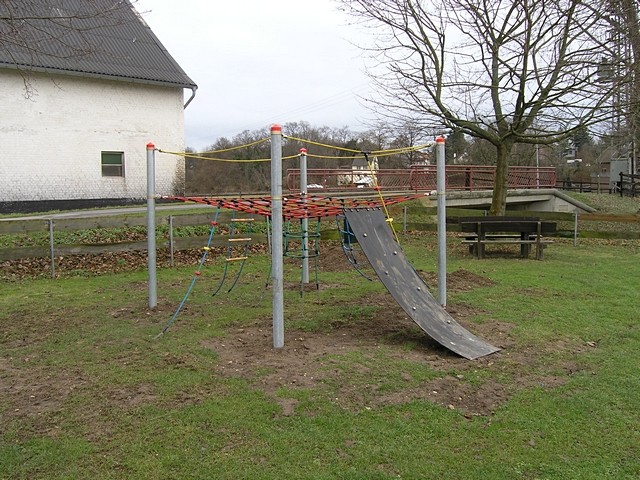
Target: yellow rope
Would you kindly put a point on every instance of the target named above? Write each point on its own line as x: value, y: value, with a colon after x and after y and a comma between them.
x: 393, y: 151
x: 199, y: 157
x: 318, y: 144
x: 329, y: 157
x: 376, y: 186
x: 358, y: 153
x: 377, y: 153
x: 257, y: 142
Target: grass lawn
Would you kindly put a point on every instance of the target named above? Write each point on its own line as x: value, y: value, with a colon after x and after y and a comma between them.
x: 358, y: 392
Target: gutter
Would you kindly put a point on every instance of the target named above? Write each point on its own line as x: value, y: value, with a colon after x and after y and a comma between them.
x: 102, y: 76
x: 193, y: 95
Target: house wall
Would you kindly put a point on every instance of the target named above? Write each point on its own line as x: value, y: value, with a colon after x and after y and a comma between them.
x: 51, y: 143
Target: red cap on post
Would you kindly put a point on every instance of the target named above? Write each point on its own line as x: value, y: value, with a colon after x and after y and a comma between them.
x: 150, y: 146
x: 303, y: 150
x: 275, y: 128
x: 440, y: 139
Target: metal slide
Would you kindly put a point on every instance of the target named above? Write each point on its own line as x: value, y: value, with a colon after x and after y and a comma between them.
x: 408, y: 288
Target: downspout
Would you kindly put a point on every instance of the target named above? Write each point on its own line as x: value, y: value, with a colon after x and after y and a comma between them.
x: 193, y: 95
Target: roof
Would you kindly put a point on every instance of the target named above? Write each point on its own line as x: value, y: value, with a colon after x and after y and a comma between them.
x: 96, y: 38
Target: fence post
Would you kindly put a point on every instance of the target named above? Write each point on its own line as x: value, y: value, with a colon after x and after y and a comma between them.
x: 277, y: 250
x: 151, y: 226
x: 51, y: 249
x: 442, y: 221
x: 575, y: 228
x: 171, y: 240
x: 404, y: 220
x: 621, y: 185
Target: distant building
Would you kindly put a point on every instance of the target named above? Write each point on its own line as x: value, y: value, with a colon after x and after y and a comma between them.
x: 80, y: 101
x: 607, y: 175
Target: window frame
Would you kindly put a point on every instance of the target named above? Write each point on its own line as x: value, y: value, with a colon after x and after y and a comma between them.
x: 110, y: 168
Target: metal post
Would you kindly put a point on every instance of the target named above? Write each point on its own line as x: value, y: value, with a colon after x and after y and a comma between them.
x: 171, y: 240
x: 442, y: 221
x: 305, y: 221
x: 277, y: 251
x: 151, y: 225
x: 51, y: 252
x: 575, y: 228
x: 404, y: 220
x: 537, y: 165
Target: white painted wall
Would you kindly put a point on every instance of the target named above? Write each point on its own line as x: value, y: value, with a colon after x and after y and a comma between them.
x: 50, y: 144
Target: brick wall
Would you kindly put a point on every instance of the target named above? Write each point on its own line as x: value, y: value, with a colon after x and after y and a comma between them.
x: 50, y: 144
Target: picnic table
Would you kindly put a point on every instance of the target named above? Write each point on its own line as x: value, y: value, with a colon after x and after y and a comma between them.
x: 522, y: 231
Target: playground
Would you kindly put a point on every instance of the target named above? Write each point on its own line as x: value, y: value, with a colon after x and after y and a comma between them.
x: 359, y: 390
x: 529, y: 372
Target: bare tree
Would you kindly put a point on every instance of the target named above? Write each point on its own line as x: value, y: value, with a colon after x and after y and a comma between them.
x: 624, y: 19
x: 506, y: 72
x: 35, y: 33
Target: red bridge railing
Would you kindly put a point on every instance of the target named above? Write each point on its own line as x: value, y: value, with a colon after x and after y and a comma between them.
x: 458, y: 177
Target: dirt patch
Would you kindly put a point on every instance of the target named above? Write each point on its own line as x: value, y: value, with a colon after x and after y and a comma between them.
x: 458, y: 281
x: 333, y: 257
x: 315, y: 361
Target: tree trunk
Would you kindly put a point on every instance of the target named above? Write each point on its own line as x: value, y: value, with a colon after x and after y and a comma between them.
x: 499, y: 199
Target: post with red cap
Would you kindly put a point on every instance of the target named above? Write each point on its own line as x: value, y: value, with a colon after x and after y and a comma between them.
x: 277, y: 247
x: 305, y: 221
x: 442, y: 220
x: 151, y: 225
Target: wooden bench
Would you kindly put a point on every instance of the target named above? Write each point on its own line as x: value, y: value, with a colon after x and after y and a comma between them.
x: 523, y: 231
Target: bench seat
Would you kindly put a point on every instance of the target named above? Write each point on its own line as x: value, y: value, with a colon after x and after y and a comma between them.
x: 540, y: 243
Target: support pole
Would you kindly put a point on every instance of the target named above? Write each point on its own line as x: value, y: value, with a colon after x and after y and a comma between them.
x: 277, y: 250
x: 171, y: 246
x: 151, y: 225
x: 442, y: 221
x: 51, y: 249
x: 404, y: 220
x: 305, y: 221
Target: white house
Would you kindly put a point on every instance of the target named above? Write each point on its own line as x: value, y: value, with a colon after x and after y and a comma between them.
x: 361, y: 173
x: 84, y: 86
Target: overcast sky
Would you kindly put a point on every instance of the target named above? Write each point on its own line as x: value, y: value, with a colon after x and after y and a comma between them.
x: 257, y: 63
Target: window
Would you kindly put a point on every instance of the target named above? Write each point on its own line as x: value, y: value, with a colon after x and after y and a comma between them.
x: 112, y: 164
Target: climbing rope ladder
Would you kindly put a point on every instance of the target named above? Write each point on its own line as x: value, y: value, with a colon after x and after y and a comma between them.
x: 237, y: 249
x: 206, y: 249
x: 235, y: 244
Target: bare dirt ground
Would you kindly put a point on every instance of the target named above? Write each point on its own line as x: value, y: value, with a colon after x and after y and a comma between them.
x: 310, y: 360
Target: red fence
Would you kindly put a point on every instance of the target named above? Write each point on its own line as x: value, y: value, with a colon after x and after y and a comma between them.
x: 458, y: 177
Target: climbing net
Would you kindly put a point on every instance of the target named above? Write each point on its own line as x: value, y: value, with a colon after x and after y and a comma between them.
x: 297, y: 206
x: 302, y: 205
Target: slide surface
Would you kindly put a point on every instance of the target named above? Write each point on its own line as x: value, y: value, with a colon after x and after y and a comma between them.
x: 408, y: 288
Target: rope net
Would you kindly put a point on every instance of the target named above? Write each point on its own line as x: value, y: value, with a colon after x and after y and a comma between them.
x: 297, y: 206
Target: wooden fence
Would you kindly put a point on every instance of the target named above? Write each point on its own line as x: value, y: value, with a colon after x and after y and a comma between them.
x: 413, y: 218
x: 54, y: 225
x: 629, y: 184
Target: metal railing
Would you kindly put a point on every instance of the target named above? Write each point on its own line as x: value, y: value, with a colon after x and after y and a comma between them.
x: 458, y: 177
